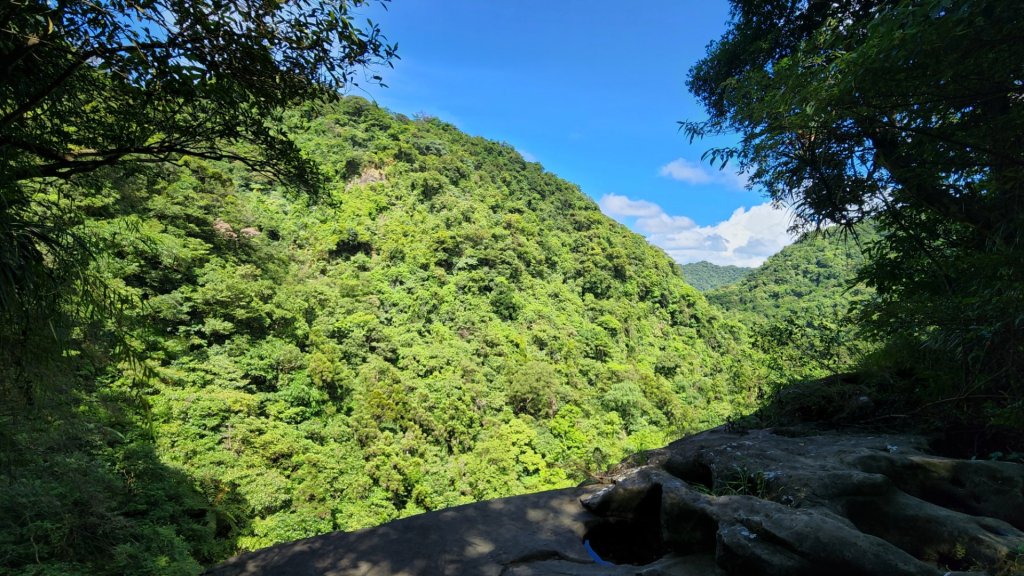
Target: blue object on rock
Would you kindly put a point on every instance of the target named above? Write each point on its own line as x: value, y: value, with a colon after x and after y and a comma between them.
x: 590, y: 550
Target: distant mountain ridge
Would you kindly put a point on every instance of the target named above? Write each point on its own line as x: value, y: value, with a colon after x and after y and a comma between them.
x: 798, y: 305
x: 808, y: 277
x: 706, y: 276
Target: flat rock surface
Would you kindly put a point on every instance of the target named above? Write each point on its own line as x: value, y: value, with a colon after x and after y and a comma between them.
x: 505, y: 536
x: 753, y: 503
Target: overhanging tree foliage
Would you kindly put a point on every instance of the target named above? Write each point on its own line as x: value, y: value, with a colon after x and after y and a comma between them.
x: 87, y: 85
x: 908, y: 112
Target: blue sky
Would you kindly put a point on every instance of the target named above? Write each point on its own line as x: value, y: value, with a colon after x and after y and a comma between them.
x: 592, y: 90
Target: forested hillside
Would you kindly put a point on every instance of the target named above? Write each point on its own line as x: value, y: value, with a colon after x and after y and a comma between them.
x: 444, y: 323
x: 706, y: 276
x: 238, y: 309
x: 800, y: 304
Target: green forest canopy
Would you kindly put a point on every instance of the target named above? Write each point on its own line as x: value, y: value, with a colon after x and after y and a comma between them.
x: 705, y: 276
x: 799, y: 306
x: 448, y: 323
x: 93, y: 84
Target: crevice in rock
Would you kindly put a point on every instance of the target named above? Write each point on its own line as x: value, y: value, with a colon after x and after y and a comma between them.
x: 867, y: 517
x: 692, y: 531
x: 635, y: 539
x: 973, y: 487
x: 693, y: 472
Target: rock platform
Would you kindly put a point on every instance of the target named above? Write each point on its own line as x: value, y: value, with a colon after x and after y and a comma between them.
x: 754, y: 503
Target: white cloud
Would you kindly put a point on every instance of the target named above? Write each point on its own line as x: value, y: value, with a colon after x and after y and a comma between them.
x: 689, y: 172
x: 662, y: 223
x: 615, y: 205
x: 685, y: 171
x: 747, y: 238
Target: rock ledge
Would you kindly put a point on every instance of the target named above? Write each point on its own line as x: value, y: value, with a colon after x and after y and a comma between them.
x: 754, y: 503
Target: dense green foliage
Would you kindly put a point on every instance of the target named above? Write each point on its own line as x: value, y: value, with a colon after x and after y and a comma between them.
x: 910, y: 113
x: 449, y: 323
x: 800, y: 305
x: 90, y: 84
x: 706, y: 276
x: 85, y: 85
